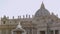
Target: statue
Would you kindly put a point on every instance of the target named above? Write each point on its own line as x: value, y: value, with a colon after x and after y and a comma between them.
x: 19, y: 30
x: 19, y: 26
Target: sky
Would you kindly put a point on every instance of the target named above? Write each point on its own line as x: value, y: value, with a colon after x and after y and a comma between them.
x: 22, y: 7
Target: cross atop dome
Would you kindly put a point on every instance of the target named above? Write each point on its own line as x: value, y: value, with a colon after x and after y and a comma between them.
x: 42, y: 5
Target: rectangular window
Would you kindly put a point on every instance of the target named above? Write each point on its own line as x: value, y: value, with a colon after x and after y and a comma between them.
x: 42, y: 32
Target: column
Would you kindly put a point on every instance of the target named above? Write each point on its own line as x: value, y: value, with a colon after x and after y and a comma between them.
x: 38, y: 32
x: 11, y: 31
x: 45, y: 32
x: 28, y: 31
x: 6, y: 31
x: 32, y: 31
x: 59, y: 31
x: 53, y: 31
x: 0, y: 31
x: 35, y: 31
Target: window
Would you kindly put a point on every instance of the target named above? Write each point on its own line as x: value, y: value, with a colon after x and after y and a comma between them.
x: 10, y: 21
x: 4, y: 22
x: 52, y: 20
x: 15, y: 21
x: 42, y: 32
x: 37, y: 20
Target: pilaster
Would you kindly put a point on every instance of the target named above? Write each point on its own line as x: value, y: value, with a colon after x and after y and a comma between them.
x: 53, y: 31
x: 59, y: 31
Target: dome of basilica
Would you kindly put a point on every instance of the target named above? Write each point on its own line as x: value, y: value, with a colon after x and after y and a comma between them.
x: 42, y: 11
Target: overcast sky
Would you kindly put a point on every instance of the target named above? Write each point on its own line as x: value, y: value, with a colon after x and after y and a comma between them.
x: 22, y: 7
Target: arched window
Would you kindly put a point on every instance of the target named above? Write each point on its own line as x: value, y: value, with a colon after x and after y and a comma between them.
x: 4, y: 22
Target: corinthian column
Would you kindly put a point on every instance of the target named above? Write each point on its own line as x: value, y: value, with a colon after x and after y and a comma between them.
x: 53, y: 31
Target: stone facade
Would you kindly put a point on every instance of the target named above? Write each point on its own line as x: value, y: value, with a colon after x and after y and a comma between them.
x: 41, y: 23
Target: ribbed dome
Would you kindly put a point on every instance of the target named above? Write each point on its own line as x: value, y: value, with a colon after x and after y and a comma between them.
x: 42, y: 11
